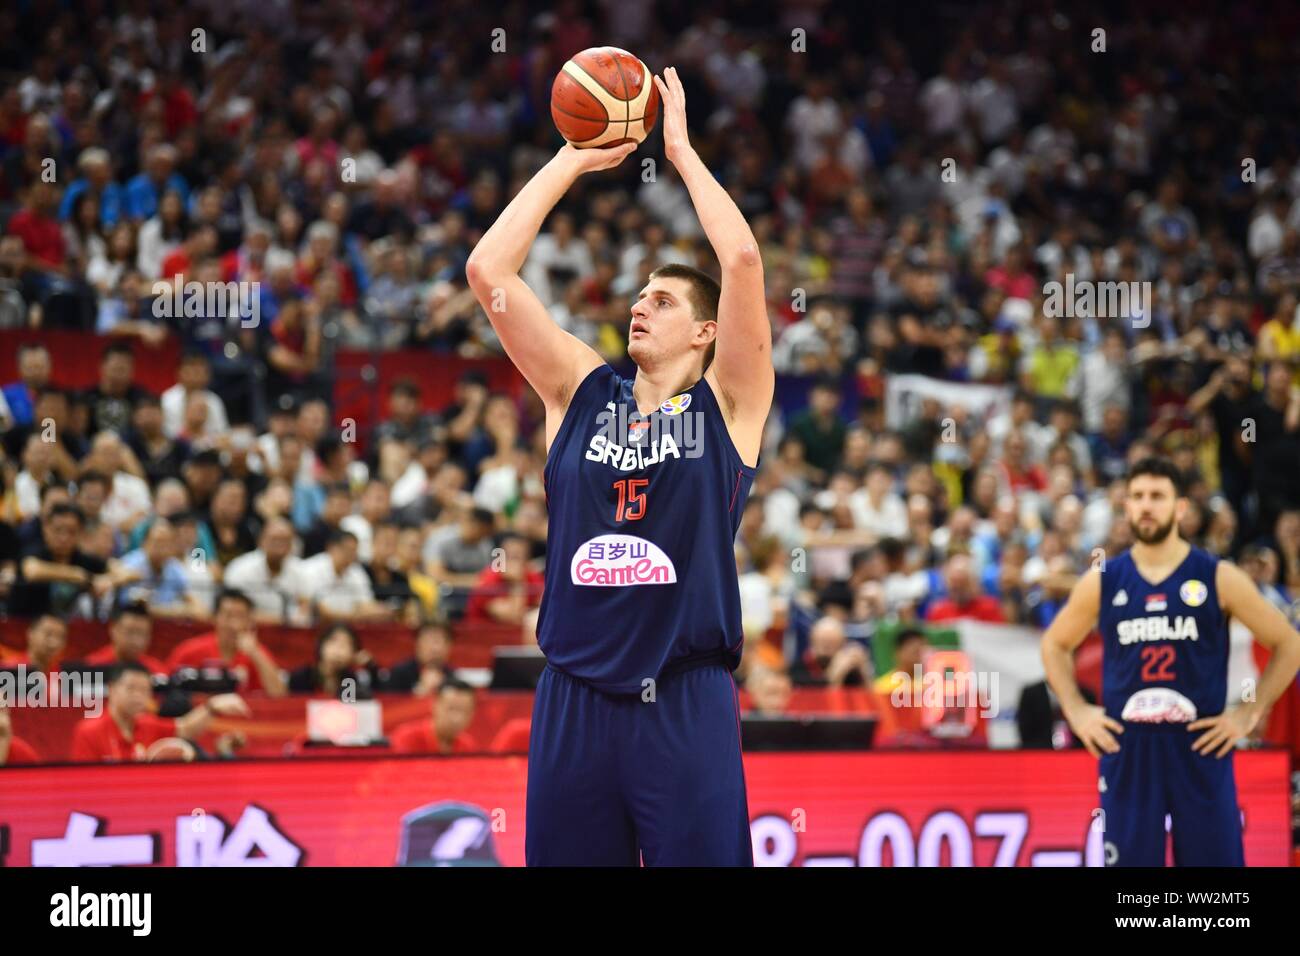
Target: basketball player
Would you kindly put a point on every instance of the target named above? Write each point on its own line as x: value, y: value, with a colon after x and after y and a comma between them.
x: 1163, y: 734
x: 634, y: 753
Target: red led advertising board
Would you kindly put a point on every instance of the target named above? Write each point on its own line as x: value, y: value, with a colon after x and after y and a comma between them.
x: 873, y: 809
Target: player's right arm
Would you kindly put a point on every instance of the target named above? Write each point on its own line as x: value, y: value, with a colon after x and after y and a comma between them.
x: 553, y: 361
x: 1072, y: 624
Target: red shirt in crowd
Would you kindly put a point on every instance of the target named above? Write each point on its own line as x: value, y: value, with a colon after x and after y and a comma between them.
x: 1019, y: 285
x: 238, y: 266
x: 176, y: 263
x: 493, y: 584
x: 41, y: 236
x: 26, y: 661
x: 107, y: 656
x: 417, y: 737
x: 21, y: 752
x: 202, y: 651
x: 99, y: 739
x: 1033, y: 478
x: 981, y: 608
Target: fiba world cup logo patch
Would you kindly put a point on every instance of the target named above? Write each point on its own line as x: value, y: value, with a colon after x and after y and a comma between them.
x: 629, y: 440
x: 1193, y: 593
x: 676, y: 405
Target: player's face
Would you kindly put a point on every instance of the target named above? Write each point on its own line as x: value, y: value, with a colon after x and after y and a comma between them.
x: 1153, y: 508
x: 663, y: 323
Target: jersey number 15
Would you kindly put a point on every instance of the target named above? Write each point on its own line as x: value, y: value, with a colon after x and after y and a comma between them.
x: 631, y: 499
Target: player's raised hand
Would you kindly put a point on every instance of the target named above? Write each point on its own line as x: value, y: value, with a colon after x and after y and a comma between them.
x: 1223, y: 732
x: 596, y: 158
x: 673, y: 103
x: 1097, y: 731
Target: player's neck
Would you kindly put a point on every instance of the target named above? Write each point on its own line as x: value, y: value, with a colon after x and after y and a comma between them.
x: 1168, y: 553
x: 653, y: 386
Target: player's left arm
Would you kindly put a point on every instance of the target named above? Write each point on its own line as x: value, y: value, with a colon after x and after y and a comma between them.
x: 1239, y: 597
x: 742, y: 359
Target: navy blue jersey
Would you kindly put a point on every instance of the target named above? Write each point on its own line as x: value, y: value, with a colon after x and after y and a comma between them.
x: 640, y: 569
x: 1165, y: 645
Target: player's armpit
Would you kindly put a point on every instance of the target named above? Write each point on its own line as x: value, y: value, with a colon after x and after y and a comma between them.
x: 551, y: 359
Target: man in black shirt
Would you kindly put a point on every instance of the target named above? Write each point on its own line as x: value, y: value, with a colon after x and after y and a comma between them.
x: 1231, y: 401
x: 1259, y: 439
x: 160, y: 456
x: 405, y: 422
x: 1277, y: 445
x: 390, y: 585
x: 29, y: 531
x: 422, y: 674
x: 113, y: 399
x: 338, y: 505
x: 53, y: 576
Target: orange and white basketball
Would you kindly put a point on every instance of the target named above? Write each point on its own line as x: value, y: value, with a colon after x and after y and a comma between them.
x: 604, y: 97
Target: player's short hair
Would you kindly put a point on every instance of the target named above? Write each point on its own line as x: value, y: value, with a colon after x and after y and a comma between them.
x: 704, y: 295
x: 1159, y: 468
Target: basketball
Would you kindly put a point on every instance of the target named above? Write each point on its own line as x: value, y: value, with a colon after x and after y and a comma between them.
x: 169, y: 749
x: 604, y: 97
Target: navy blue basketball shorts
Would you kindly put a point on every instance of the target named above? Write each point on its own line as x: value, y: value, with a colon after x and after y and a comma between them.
x: 615, y: 781
x: 1154, y: 774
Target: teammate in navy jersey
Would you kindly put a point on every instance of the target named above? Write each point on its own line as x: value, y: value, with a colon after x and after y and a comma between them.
x: 634, y: 754
x: 1162, y: 731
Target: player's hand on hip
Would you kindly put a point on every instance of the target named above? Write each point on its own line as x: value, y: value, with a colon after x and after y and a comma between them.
x: 1223, y: 732
x: 673, y: 103
x: 1097, y: 731
x: 596, y: 158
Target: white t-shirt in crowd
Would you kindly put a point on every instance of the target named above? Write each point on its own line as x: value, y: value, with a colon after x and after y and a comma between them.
x: 316, y: 580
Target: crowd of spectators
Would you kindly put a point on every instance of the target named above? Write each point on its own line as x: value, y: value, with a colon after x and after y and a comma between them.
x: 916, y: 184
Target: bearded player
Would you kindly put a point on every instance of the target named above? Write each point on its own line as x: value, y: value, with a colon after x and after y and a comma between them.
x: 634, y: 753
x: 1163, y: 732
